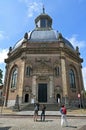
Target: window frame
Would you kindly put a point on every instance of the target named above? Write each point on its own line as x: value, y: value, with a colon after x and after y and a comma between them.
x: 57, y: 71
x: 14, y: 78
x: 72, y: 79
x: 28, y: 71
x: 43, y: 23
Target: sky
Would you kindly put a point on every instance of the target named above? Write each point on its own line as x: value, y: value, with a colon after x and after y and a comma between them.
x: 17, y: 17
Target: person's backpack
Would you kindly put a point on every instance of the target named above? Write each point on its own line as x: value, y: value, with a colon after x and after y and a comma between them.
x: 64, y: 111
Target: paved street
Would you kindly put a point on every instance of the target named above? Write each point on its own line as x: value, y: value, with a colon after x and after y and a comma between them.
x: 51, y: 123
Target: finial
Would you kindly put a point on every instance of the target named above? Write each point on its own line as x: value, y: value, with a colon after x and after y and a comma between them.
x: 10, y: 49
x: 60, y: 37
x: 43, y: 10
x: 26, y: 35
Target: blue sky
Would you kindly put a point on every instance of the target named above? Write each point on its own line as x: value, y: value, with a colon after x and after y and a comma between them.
x: 17, y: 17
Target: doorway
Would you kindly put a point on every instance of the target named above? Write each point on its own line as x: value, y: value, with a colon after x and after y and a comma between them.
x: 26, y: 97
x: 58, y: 98
x: 42, y: 92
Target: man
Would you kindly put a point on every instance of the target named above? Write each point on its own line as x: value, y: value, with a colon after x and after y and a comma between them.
x: 43, y: 113
x: 63, y: 111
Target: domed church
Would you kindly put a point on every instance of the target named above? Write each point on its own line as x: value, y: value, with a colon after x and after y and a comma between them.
x: 43, y: 67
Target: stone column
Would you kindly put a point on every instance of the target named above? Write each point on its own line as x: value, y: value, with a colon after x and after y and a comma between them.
x: 34, y: 88
x: 21, y: 80
x: 64, y: 80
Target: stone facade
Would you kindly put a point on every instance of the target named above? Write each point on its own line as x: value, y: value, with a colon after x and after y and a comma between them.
x: 43, y: 68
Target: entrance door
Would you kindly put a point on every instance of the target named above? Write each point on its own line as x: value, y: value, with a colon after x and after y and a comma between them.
x: 58, y: 98
x: 26, y: 97
x: 42, y: 92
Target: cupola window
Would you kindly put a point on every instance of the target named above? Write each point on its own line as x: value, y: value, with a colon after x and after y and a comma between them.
x: 43, y: 23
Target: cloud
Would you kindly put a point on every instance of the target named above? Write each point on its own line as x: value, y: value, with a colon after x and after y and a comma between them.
x: 3, y: 35
x: 3, y: 55
x: 75, y: 42
x: 32, y: 7
x: 84, y: 76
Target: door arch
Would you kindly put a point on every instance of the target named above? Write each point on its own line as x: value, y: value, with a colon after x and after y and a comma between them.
x: 26, y: 97
x: 58, y: 98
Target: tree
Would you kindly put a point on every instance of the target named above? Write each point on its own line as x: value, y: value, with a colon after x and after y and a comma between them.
x: 85, y: 92
x: 1, y: 76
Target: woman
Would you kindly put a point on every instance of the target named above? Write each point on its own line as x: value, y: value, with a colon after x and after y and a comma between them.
x: 35, y: 112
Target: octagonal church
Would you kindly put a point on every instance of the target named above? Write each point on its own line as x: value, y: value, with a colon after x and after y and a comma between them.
x: 43, y: 67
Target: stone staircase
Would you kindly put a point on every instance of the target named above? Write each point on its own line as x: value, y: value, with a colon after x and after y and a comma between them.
x: 30, y: 107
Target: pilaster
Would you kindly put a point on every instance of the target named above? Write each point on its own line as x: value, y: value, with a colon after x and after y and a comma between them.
x: 64, y: 80
x: 34, y: 88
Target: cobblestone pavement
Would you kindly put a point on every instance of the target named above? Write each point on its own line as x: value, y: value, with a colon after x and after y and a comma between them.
x: 51, y: 123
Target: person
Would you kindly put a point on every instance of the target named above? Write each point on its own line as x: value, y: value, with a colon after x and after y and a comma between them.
x: 43, y: 113
x: 35, y: 112
x: 38, y: 105
x: 63, y: 112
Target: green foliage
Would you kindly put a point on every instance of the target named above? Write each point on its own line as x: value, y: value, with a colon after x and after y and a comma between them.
x: 1, y: 76
x: 85, y: 92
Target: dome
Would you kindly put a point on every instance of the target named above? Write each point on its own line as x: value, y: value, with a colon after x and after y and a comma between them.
x: 43, y: 36
x: 40, y: 35
x: 47, y: 36
x: 43, y: 32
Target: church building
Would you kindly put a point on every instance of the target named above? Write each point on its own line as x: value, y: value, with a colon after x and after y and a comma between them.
x: 43, y: 67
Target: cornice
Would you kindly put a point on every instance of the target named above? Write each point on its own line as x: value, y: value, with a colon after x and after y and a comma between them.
x: 44, y: 50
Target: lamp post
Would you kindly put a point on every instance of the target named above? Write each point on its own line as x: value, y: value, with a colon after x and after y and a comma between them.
x: 79, y: 97
x: 82, y: 93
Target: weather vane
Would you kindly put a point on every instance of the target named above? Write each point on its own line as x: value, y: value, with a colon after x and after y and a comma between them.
x: 43, y: 10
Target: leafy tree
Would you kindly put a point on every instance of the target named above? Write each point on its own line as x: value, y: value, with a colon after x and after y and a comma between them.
x: 85, y: 92
x: 1, y: 76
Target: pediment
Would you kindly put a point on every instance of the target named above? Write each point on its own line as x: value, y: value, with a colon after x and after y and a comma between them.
x: 43, y: 67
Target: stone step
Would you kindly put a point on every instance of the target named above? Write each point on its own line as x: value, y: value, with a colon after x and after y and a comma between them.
x: 49, y: 107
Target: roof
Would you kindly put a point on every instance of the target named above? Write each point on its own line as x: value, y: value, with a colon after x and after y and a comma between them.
x: 43, y: 32
x: 43, y: 36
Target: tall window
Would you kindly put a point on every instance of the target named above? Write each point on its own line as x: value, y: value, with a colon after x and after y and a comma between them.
x: 57, y: 71
x: 28, y: 71
x: 72, y: 79
x: 14, y: 78
x: 43, y: 22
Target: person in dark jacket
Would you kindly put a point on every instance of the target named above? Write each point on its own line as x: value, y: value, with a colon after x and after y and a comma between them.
x: 43, y: 113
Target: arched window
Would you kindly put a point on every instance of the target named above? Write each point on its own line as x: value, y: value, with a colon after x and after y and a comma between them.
x: 72, y: 78
x: 14, y: 78
x: 28, y: 71
x: 43, y: 23
x: 57, y: 71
